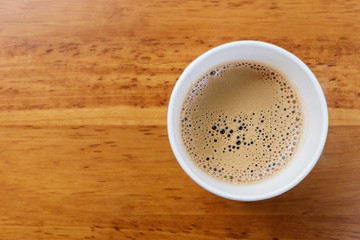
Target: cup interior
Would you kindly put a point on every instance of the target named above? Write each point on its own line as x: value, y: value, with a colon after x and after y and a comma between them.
x: 315, y: 111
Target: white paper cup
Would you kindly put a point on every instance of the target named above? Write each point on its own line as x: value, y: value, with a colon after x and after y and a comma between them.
x: 315, y: 110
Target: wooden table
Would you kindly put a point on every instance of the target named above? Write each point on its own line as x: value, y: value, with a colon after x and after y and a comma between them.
x: 84, y: 89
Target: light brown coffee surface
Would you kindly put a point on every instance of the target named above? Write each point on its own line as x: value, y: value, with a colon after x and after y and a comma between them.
x: 241, y: 122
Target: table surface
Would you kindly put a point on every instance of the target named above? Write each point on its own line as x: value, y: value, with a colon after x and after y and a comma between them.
x: 84, y: 89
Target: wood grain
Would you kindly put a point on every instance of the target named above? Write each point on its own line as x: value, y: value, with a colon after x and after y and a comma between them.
x: 84, y: 88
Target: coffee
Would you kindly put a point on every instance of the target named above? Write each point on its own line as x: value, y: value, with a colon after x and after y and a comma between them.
x: 242, y: 122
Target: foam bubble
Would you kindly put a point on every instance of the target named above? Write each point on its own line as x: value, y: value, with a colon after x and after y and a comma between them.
x: 235, y: 133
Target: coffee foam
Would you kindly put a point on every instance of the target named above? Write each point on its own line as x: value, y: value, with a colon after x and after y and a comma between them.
x: 241, y: 122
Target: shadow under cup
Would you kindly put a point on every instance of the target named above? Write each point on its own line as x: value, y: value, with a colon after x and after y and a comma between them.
x: 315, y: 118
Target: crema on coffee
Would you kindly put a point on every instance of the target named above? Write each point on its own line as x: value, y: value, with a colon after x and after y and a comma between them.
x: 242, y: 122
